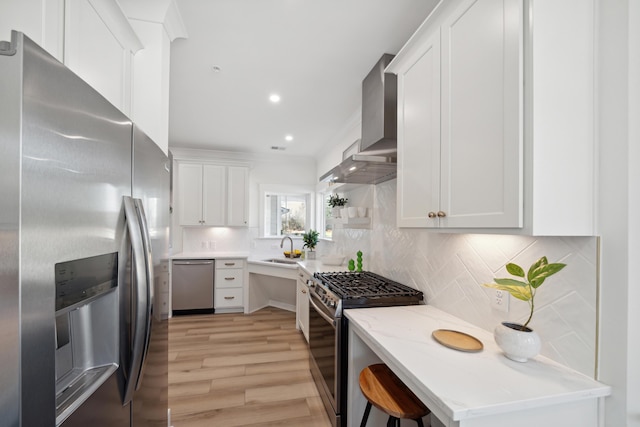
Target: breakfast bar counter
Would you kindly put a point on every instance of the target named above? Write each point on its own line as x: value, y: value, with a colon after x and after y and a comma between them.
x: 466, y: 388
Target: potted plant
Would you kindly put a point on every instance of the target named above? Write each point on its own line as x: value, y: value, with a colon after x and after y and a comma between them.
x: 336, y: 202
x: 519, y: 342
x: 310, y: 240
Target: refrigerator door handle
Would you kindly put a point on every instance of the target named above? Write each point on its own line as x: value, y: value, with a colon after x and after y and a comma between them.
x: 146, y: 239
x: 140, y: 296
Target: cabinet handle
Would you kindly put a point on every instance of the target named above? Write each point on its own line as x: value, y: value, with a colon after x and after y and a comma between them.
x: 229, y: 297
x: 304, y: 292
x: 441, y: 214
x: 431, y: 214
x: 229, y: 263
x: 229, y: 278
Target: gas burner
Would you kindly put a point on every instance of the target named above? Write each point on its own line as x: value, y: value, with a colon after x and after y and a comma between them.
x: 363, y: 288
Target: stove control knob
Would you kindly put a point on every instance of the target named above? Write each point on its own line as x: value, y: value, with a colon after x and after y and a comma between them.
x: 332, y: 304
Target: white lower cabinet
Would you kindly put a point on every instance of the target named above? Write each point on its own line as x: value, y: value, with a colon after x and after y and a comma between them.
x: 302, y: 303
x: 228, y: 295
x: 162, y: 289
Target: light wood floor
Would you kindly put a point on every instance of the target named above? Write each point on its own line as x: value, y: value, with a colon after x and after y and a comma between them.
x: 241, y: 370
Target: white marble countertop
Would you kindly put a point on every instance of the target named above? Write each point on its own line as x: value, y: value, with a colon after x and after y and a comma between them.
x: 210, y: 255
x: 464, y: 385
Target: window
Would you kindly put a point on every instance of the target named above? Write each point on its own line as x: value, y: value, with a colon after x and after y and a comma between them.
x: 285, y: 210
x: 327, y: 224
x: 285, y: 214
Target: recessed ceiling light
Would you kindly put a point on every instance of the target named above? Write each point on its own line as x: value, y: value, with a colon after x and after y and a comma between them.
x: 288, y: 138
x: 274, y: 97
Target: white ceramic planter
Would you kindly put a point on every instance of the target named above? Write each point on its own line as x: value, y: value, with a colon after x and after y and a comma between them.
x: 517, y: 345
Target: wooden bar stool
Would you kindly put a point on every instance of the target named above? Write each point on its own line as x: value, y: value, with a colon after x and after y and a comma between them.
x: 386, y: 392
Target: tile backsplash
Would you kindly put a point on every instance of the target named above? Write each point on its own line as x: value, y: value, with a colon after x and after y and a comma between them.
x: 450, y: 269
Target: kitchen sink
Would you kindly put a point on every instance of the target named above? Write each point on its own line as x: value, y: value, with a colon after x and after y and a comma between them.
x: 281, y: 261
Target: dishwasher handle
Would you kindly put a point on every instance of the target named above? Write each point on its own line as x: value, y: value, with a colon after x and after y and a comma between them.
x: 209, y: 262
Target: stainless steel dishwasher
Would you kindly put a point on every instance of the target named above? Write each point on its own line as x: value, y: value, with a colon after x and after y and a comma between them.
x: 192, y: 286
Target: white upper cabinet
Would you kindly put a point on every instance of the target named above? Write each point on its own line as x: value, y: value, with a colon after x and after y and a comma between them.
x: 460, y: 118
x: 478, y: 149
x: 419, y: 136
x: 212, y: 195
x: 99, y: 47
x: 560, y: 144
x: 122, y: 53
x: 237, y: 200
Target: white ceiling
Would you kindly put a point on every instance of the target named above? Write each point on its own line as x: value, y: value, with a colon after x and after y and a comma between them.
x: 313, y: 53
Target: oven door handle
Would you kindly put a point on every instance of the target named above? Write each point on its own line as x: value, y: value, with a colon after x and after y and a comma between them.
x: 321, y: 313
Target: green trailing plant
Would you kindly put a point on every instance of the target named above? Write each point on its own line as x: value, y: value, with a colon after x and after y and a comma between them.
x: 310, y: 239
x: 336, y: 201
x: 526, y: 288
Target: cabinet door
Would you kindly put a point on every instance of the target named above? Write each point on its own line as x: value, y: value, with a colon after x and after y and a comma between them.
x: 190, y: 193
x: 419, y: 137
x: 237, y: 197
x: 213, y: 195
x: 302, y: 307
x: 481, y: 159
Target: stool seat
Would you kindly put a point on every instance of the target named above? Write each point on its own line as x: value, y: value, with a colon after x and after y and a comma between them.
x: 387, y: 392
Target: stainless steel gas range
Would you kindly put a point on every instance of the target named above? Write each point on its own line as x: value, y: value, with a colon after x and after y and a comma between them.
x: 330, y: 294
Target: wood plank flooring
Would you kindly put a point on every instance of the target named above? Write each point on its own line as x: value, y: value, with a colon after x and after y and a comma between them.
x: 241, y: 370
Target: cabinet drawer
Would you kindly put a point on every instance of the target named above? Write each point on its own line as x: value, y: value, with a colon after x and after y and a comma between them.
x: 231, y: 297
x: 229, y: 278
x: 222, y: 264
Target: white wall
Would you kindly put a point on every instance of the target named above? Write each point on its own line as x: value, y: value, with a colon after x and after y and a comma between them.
x: 619, y: 201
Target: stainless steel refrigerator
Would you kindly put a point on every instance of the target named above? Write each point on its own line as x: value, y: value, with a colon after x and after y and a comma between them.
x: 84, y: 226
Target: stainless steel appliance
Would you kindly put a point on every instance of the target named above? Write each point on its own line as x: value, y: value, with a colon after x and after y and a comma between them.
x: 376, y: 160
x: 330, y: 294
x: 192, y: 286
x: 83, y: 223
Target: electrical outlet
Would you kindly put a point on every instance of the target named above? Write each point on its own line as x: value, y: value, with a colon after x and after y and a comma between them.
x: 500, y: 301
x: 203, y: 245
x: 212, y: 245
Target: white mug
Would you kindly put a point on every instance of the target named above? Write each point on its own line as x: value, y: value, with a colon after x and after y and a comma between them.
x: 362, y: 212
x: 353, y: 211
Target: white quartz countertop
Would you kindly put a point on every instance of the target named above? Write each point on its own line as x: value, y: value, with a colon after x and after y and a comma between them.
x: 310, y: 266
x: 210, y: 255
x: 464, y: 385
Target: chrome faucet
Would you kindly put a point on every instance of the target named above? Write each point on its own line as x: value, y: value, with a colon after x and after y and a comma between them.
x: 282, y: 243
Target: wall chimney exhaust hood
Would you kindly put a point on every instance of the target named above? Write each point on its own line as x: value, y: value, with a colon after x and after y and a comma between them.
x: 377, y: 157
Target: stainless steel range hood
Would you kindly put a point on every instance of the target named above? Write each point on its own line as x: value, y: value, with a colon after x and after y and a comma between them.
x: 376, y: 160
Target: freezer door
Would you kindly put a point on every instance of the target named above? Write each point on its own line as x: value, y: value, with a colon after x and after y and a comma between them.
x: 66, y: 152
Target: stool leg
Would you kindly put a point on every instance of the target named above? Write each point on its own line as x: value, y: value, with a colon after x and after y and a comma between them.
x: 365, y: 416
x: 393, y: 422
x: 419, y: 421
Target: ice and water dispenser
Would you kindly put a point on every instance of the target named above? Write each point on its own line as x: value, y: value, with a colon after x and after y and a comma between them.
x: 87, y: 328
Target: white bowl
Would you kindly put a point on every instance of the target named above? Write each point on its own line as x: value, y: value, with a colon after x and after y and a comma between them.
x: 332, y: 259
